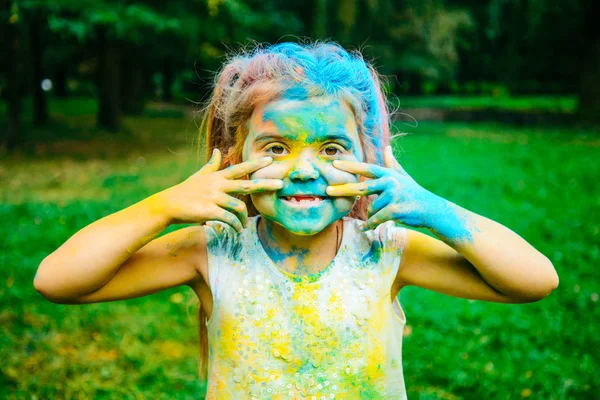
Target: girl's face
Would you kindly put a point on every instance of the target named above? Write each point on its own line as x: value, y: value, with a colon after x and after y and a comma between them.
x: 303, y: 137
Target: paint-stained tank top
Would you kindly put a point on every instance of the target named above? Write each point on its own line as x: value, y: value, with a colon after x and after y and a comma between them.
x: 332, y: 335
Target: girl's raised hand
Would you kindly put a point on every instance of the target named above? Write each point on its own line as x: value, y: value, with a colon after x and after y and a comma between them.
x: 399, y: 198
x: 206, y: 195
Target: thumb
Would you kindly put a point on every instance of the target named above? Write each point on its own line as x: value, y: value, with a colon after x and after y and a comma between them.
x: 213, y: 164
x: 390, y: 161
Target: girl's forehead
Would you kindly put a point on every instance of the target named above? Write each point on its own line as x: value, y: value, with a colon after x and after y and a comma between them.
x: 306, y: 119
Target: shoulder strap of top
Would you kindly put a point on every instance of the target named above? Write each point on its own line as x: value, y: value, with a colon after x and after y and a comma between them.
x: 393, y: 238
x: 222, y: 245
x: 381, y: 248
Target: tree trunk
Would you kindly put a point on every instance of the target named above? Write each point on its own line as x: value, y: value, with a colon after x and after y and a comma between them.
x: 589, y: 92
x: 13, y: 98
x: 414, y: 81
x: 132, y: 84
x: 511, y: 58
x: 167, y: 81
x: 60, y: 82
x: 109, y: 112
x: 36, y: 47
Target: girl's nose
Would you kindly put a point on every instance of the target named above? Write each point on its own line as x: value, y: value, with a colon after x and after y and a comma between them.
x: 303, y: 170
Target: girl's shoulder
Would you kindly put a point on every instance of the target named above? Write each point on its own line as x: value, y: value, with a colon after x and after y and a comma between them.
x: 387, y: 234
x: 377, y: 250
x: 222, y: 238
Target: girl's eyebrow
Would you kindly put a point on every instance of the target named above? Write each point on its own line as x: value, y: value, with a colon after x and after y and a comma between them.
x: 268, y: 136
x: 338, y: 137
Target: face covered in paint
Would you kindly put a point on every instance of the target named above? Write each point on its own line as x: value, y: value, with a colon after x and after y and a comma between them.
x: 304, y: 137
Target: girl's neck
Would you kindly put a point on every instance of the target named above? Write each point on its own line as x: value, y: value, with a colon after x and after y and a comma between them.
x: 298, y: 254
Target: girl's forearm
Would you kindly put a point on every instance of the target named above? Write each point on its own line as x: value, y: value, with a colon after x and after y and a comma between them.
x: 87, y: 260
x: 504, y: 260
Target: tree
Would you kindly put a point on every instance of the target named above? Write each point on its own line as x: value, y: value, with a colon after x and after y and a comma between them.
x: 413, y: 40
x: 11, y: 40
x: 108, y: 81
x: 35, y: 17
x: 589, y: 94
x: 118, y: 31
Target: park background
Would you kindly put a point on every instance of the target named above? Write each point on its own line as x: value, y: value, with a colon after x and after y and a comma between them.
x: 100, y: 109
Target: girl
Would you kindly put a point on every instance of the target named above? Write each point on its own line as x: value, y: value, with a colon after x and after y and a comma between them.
x: 296, y: 256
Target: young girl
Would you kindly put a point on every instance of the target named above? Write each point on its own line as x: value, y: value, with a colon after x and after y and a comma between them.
x: 296, y: 257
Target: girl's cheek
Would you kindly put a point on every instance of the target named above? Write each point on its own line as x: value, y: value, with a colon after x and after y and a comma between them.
x: 272, y: 171
x: 335, y: 176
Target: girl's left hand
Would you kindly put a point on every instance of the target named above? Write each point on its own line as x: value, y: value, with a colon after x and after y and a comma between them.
x: 400, y: 198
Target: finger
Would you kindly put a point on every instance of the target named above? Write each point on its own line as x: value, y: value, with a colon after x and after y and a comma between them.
x: 390, y: 161
x: 235, y: 206
x: 365, y: 169
x: 377, y: 204
x: 253, y: 186
x: 230, y: 219
x: 247, y: 167
x: 379, y: 218
x: 213, y: 164
x: 356, y: 189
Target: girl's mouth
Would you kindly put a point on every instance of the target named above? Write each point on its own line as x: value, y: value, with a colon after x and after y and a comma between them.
x: 304, y: 200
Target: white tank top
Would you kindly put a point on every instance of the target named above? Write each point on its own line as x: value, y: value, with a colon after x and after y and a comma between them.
x: 332, y: 335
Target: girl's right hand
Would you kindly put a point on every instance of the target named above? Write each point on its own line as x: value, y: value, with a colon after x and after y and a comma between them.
x: 206, y: 195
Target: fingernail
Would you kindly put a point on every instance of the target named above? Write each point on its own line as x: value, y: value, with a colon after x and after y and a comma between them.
x: 267, y: 158
x: 337, y: 162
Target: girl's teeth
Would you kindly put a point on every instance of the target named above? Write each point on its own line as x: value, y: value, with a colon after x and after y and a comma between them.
x: 302, y: 199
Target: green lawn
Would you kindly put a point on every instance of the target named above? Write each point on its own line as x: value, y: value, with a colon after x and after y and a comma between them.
x: 553, y: 104
x: 541, y: 183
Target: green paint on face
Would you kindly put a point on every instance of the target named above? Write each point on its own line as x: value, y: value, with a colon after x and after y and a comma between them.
x: 303, y: 137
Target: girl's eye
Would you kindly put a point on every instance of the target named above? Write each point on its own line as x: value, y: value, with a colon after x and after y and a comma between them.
x: 276, y: 150
x: 332, y: 151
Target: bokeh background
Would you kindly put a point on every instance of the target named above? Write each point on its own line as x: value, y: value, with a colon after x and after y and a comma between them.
x: 501, y: 103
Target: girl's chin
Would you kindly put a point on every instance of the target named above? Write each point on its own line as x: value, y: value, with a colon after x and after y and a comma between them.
x: 304, y: 218
x: 302, y: 229
x: 301, y: 225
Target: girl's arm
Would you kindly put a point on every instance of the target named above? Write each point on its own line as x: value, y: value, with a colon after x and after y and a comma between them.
x: 116, y: 257
x: 476, y: 257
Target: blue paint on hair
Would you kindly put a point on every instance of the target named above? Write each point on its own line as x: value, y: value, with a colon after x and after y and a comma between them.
x: 296, y: 92
x: 325, y: 68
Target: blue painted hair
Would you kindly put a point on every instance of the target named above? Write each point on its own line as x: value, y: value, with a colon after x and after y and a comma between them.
x: 296, y: 70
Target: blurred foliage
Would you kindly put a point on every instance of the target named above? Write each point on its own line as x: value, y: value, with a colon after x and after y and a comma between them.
x: 453, y: 348
x: 417, y: 43
x: 127, y: 52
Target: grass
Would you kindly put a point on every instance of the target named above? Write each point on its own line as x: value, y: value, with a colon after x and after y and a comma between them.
x: 553, y: 104
x: 541, y: 183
